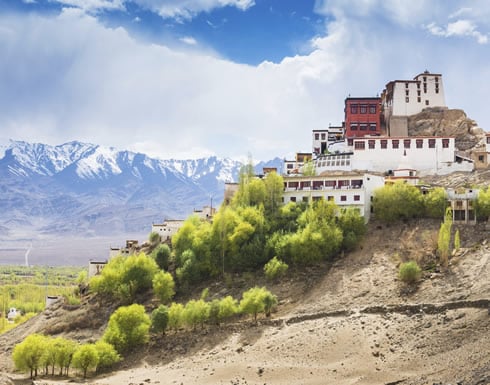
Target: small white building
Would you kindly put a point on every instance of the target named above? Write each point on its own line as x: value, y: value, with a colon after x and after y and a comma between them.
x: 402, y: 98
x: 427, y: 155
x: 324, y: 138
x: 167, y: 229
x: 345, y: 189
x: 95, y: 267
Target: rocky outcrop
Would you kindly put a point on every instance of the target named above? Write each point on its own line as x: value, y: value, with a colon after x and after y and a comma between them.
x: 439, y: 121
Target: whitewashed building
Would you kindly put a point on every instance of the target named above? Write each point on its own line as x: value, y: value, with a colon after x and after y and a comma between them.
x: 427, y: 155
x: 345, y: 189
x: 324, y: 138
x: 167, y: 229
x: 402, y: 98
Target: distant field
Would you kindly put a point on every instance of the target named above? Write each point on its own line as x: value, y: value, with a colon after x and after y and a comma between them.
x: 66, y: 251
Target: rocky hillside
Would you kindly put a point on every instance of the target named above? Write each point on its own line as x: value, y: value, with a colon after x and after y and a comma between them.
x: 352, y: 322
x: 437, y: 121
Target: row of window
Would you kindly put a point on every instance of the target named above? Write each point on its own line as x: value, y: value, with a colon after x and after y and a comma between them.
x: 354, y: 126
x: 395, y: 143
x: 343, y: 198
x: 363, y: 108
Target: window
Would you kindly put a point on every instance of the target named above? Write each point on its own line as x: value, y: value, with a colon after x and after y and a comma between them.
x: 363, y: 109
x: 395, y: 143
x: 317, y: 136
x: 426, y: 102
x: 384, y: 143
x: 418, y: 93
x: 359, y: 145
x: 290, y: 165
x: 481, y: 158
x: 372, y: 127
x: 372, y: 108
x: 363, y: 126
x: 293, y: 199
x: 419, y: 143
x: 371, y: 144
x: 330, y: 183
x: 353, y: 126
x: 418, y: 85
x: 316, y: 199
x: 406, y: 85
x: 406, y: 92
x: 357, y: 198
x: 353, y: 108
x: 323, y: 136
x: 305, y: 199
x: 445, y: 143
x: 330, y: 198
x: 437, y: 89
x: 350, y: 142
x: 407, y: 99
x: 432, y: 143
x: 406, y: 143
x: 488, y: 139
x: 419, y: 99
x: 343, y: 198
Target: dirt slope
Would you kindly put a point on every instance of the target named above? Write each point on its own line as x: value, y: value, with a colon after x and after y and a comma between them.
x: 351, y: 323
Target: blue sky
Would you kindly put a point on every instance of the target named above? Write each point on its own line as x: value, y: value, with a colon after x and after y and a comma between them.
x: 190, y: 78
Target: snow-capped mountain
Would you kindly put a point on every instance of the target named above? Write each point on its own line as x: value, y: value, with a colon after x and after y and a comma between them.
x: 90, y: 190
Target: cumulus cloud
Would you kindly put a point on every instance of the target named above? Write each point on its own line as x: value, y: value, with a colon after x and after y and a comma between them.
x: 458, y: 28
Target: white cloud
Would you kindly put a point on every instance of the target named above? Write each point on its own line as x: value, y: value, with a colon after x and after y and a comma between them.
x: 187, y: 9
x: 188, y: 40
x: 458, y: 28
x: 94, y: 5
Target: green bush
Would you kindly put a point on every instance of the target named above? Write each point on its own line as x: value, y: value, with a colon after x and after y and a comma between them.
x: 108, y: 355
x: 275, y: 269
x: 85, y: 357
x: 409, y: 272
x: 163, y: 286
x: 257, y: 300
x: 128, y: 327
x: 159, y: 319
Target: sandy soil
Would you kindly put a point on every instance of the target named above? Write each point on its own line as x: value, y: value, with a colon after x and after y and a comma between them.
x: 353, y: 323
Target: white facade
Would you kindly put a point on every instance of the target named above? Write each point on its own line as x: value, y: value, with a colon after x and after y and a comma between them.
x: 427, y: 155
x: 95, y: 267
x: 323, y: 139
x: 402, y: 98
x: 345, y: 189
x: 167, y: 229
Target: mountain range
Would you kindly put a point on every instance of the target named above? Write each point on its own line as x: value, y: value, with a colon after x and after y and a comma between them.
x: 86, y: 190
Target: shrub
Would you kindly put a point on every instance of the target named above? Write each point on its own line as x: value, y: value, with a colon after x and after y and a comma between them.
x: 159, y: 319
x: 128, y: 327
x: 257, y: 300
x: 162, y: 256
x: 163, y: 286
x: 175, y: 315
x: 275, y: 269
x: 28, y: 354
x: 409, y: 272
x: 108, y: 355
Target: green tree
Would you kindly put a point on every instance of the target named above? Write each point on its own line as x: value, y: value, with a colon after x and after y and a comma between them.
x: 482, y: 204
x: 162, y: 256
x: 228, y: 307
x: 85, y: 357
x: 409, y: 272
x: 159, y: 319
x: 275, y: 269
x: 28, y: 354
x: 274, y: 189
x: 353, y: 228
x: 435, y: 202
x: 175, y: 315
x: 444, y: 238
x: 397, y: 201
x: 64, y: 353
x: 138, y: 272
x: 254, y: 301
x: 127, y: 328
x: 154, y: 238
x: 196, y: 313
x: 457, y: 240
x: 270, y: 300
x: 163, y: 286
x: 108, y: 356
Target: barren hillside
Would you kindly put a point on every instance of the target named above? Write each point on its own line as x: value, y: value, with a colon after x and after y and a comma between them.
x: 349, y: 323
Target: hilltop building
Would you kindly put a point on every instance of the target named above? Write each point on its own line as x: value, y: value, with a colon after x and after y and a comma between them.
x: 362, y: 117
x: 402, y: 98
x: 324, y: 138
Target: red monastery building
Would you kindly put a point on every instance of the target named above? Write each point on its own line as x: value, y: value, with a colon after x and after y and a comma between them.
x: 362, y: 117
